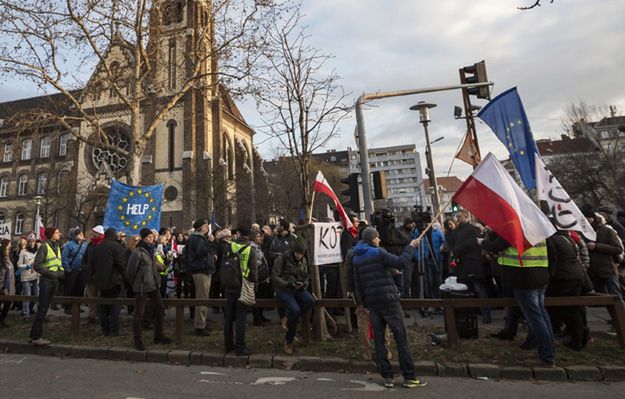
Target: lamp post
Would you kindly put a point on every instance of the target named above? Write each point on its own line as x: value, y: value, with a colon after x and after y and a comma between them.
x: 37, y: 200
x: 424, y: 117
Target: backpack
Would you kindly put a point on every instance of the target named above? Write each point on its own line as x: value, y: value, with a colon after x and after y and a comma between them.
x: 230, y: 275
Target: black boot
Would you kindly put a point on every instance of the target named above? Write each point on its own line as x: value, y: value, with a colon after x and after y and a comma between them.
x: 139, y: 344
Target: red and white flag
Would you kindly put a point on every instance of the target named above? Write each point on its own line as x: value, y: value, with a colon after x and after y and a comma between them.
x: 322, y: 186
x: 40, y: 230
x: 493, y: 196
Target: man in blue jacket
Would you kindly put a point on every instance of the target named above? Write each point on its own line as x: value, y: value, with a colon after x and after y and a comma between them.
x: 376, y: 289
x: 71, y: 255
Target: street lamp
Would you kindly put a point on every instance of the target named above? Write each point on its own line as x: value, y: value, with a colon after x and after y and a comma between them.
x: 37, y: 200
x: 424, y: 117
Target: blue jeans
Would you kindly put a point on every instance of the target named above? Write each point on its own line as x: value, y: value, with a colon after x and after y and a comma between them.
x: 393, y: 316
x: 236, y: 313
x: 29, y: 288
x: 297, y: 303
x: 46, y: 292
x: 532, y: 304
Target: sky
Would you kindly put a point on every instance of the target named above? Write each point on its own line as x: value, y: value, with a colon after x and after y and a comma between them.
x: 556, y: 54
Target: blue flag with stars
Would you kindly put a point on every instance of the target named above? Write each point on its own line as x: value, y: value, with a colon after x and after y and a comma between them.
x: 506, y: 117
x: 129, y: 208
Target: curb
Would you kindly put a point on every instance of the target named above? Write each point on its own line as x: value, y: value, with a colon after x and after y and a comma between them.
x: 317, y: 364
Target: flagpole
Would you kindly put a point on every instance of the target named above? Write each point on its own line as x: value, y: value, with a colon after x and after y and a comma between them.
x: 434, y: 220
x: 312, y: 204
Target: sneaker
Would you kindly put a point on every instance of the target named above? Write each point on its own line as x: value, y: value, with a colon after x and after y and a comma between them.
x: 389, y: 383
x: 288, y: 349
x: 415, y: 383
x: 283, y: 323
x: 40, y: 342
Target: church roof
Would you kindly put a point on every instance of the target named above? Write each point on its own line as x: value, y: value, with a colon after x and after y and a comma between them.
x: 229, y: 105
x: 52, y: 103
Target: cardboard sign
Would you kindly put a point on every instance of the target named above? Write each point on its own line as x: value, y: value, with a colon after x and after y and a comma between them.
x: 5, y: 230
x: 327, y: 241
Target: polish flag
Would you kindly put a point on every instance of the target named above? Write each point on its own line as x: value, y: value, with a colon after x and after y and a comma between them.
x: 40, y: 230
x: 493, y: 196
x: 322, y: 186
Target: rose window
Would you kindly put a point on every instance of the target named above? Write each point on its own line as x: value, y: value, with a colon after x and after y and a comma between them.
x: 114, y: 160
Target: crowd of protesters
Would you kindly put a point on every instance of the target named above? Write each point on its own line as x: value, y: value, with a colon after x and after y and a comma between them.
x: 186, y: 264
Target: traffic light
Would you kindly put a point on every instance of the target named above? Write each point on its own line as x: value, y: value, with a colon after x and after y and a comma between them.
x: 379, y: 185
x: 454, y: 207
x: 352, y: 192
x: 476, y: 73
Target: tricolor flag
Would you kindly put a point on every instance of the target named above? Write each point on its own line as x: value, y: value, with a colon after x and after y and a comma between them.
x: 566, y: 215
x: 322, y: 186
x: 491, y: 194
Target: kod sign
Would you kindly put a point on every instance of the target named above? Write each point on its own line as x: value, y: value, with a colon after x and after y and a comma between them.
x: 327, y: 241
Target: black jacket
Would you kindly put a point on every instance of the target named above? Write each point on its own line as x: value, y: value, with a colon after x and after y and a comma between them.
x: 463, y: 244
x: 563, y: 261
x: 602, y: 264
x: 201, y: 255
x: 108, y: 264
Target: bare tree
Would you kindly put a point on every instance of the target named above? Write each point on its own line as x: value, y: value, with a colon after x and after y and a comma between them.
x: 534, y: 5
x: 300, y: 100
x: 581, y: 112
x: 57, y: 44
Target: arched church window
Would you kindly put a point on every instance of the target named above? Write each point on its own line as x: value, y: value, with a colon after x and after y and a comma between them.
x: 171, y: 144
x: 171, y: 65
x: 108, y: 157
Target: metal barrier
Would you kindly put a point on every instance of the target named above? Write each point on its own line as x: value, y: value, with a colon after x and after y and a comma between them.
x: 613, y: 304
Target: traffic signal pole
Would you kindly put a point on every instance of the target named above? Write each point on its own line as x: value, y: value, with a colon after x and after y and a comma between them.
x: 362, y: 138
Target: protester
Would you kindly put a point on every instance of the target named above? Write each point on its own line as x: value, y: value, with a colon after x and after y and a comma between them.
x: 7, y: 279
x: 72, y: 254
x: 109, y: 265
x: 290, y: 278
x: 528, y: 275
x: 48, y: 264
x: 377, y: 290
x: 144, y: 276
x: 236, y: 311
x: 29, y: 278
x: 201, y: 254
x: 264, y: 289
x: 15, y: 255
x: 165, y: 257
x: 91, y: 291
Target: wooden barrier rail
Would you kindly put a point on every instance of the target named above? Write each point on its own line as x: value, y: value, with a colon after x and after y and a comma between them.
x: 613, y: 304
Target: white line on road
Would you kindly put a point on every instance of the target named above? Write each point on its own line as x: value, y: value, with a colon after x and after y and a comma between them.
x: 211, y: 373
x: 220, y: 382
x: 325, y: 379
x: 273, y: 380
x: 12, y: 359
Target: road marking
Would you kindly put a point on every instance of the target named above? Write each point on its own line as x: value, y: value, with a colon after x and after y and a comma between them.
x: 367, y: 386
x: 325, y: 379
x: 220, y: 382
x: 12, y: 359
x: 211, y: 373
x: 273, y: 380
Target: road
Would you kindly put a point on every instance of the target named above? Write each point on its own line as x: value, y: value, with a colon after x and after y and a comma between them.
x: 29, y: 376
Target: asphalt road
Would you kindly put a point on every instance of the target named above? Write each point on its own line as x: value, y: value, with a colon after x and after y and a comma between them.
x: 29, y: 376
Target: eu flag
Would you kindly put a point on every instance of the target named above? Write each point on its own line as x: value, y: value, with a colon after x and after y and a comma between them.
x: 506, y: 117
x: 129, y: 208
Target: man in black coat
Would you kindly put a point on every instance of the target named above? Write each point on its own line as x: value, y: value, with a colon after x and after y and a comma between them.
x: 201, y: 255
x: 470, y: 269
x: 108, y: 267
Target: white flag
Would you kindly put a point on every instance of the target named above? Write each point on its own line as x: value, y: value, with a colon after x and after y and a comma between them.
x: 566, y: 214
x: 330, y: 213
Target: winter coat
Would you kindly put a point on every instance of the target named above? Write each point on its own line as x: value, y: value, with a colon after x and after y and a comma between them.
x: 281, y: 245
x: 25, y: 265
x: 73, y: 252
x: 7, y: 272
x: 437, y: 238
x: 373, y: 281
x: 109, y: 264
x: 564, y: 265
x: 607, y: 245
x: 201, y: 254
x: 287, y: 270
x: 88, y: 257
x: 252, y: 264
x: 141, y: 271
x: 463, y: 244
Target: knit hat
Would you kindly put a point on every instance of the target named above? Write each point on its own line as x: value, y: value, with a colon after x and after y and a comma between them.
x: 588, y: 210
x: 74, y: 232
x: 369, y: 234
x: 31, y: 237
x: 98, y: 230
x: 244, y: 231
x: 199, y: 223
x: 299, y: 246
x: 144, y: 232
x: 163, y: 231
x: 50, y: 231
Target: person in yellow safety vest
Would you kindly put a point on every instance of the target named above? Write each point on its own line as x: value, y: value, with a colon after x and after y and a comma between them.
x: 528, y: 278
x: 236, y: 312
x: 49, y: 265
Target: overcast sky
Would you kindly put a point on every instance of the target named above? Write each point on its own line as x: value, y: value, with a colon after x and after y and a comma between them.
x: 556, y: 54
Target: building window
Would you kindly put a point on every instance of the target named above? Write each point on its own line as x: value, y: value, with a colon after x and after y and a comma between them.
x: 42, y: 183
x: 4, y: 187
x: 171, y: 147
x: 63, y: 144
x: 59, y: 181
x: 26, y: 149
x: 2, y: 217
x: 171, y: 64
x: 22, y: 185
x: 19, y: 223
x: 8, y: 153
x: 44, y: 147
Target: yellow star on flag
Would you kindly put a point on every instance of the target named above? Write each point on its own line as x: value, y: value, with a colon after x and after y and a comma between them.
x: 127, y: 223
x: 143, y: 223
x: 147, y: 195
x: 122, y: 217
x: 124, y: 199
x: 151, y: 200
x: 131, y: 194
x: 153, y: 209
x: 120, y: 207
x: 135, y: 227
x: 139, y: 191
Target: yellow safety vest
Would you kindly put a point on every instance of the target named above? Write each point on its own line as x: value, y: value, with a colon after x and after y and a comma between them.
x: 53, y: 260
x: 161, y: 260
x: 244, y: 257
x: 533, y: 257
